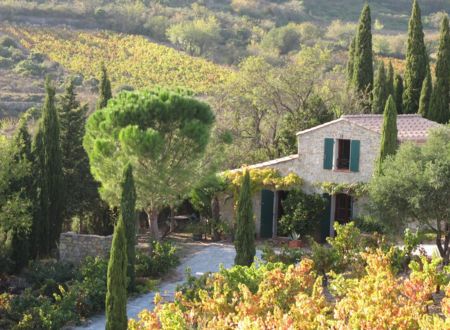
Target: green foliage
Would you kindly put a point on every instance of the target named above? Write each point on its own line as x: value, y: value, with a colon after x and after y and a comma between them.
x: 282, y: 39
x: 245, y: 225
x: 414, y: 186
x: 380, y: 90
x: 49, y: 175
x: 301, y: 212
x: 116, y: 293
x: 363, y: 62
x: 30, y: 67
x: 128, y: 213
x: 38, y: 272
x: 163, y: 258
x: 439, y: 104
x: 105, y: 93
x: 356, y: 189
x: 390, y: 81
x: 81, y: 198
x: 351, y: 61
x: 368, y: 224
x: 425, y: 95
x: 163, y: 136
x: 197, y: 36
x: 388, y: 131
x: 286, y: 255
x: 398, y: 93
x: 416, y: 62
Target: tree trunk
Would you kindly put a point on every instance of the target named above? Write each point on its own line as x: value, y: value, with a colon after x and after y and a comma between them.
x: 152, y: 217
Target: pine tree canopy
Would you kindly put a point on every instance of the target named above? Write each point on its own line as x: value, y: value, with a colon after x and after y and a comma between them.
x: 439, y: 105
x: 350, y: 61
x: 390, y: 80
x: 416, y: 62
x: 245, y: 226
x: 363, y: 62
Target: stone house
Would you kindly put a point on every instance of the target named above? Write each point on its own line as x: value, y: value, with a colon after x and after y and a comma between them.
x: 343, y: 151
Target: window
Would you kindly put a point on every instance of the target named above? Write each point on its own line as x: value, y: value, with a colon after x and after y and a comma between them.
x: 343, y: 211
x: 343, y: 159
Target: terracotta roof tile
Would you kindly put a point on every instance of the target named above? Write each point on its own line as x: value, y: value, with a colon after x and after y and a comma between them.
x: 411, y: 127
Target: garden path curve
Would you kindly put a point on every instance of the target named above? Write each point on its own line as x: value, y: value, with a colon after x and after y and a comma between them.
x: 206, y: 259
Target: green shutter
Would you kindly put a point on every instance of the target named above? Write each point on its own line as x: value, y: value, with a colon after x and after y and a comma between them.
x: 354, y: 155
x: 328, y: 154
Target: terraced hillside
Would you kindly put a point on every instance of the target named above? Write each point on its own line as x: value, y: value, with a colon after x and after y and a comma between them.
x: 131, y: 60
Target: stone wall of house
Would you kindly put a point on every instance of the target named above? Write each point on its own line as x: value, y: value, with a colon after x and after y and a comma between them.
x: 75, y: 247
x: 311, y: 153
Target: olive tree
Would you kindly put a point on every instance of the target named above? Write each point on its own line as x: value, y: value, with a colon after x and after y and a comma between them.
x: 162, y: 134
x: 414, y: 187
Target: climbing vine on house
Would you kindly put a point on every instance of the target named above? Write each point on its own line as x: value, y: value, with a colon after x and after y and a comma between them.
x: 355, y: 189
x: 263, y: 178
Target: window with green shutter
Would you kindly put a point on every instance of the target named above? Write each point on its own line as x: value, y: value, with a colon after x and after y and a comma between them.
x: 354, y: 155
x: 328, y: 154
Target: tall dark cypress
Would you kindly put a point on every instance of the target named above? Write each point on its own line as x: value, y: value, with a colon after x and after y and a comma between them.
x: 425, y: 95
x: 388, y: 132
x: 416, y: 62
x: 440, y: 98
x: 363, y: 62
x: 128, y: 212
x: 105, y: 92
x: 20, y: 238
x: 350, y: 61
x: 379, y: 92
x: 116, y: 294
x: 245, y: 232
x: 81, y: 190
x: 390, y: 79
x: 52, y: 176
x: 398, y: 93
x: 40, y: 227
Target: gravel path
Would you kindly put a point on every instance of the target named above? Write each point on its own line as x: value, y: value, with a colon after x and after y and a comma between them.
x: 207, y: 259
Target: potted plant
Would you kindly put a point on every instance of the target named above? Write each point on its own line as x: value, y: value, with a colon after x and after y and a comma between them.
x: 295, y: 241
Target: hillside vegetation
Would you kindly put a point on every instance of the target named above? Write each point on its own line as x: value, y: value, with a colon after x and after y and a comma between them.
x: 132, y: 60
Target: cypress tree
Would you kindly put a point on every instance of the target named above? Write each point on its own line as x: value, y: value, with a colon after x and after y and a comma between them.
x: 440, y: 98
x: 350, y: 61
x: 116, y: 294
x: 388, y: 131
x: 363, y: 66
x: 425, y: 95
x: 127, y: 209
x: 398, y: 93
x: 48, y: 153
x: 416, y: 62
x: 105, y: 92
x: 390, y: 80
x: 53, y: 165
x: 20, y: 238
x: 40, y: 227
x: 81, y: 190
x: 379, y: 92
x: 245, y: 232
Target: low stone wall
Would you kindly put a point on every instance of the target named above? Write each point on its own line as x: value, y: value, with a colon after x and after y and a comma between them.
x: 75, y: 247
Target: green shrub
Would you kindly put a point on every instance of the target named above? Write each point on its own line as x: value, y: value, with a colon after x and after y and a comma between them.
x: 325, y: 258
x: 40, y: 272
x: 28, y: 67
x: 302, y: 212
x: 162, y: 259
x: 90, y: 286
x: 5, y: 63
x: 7, y: 42
x: 193, y: 284
x: 369, y: 224
x: 286, y: 256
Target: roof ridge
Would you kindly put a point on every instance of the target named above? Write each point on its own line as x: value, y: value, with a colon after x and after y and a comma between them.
x: 379, y: 115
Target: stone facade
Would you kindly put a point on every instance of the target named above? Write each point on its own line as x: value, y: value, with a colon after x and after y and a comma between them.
x: 309, y: 165
x: 75, y: 247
